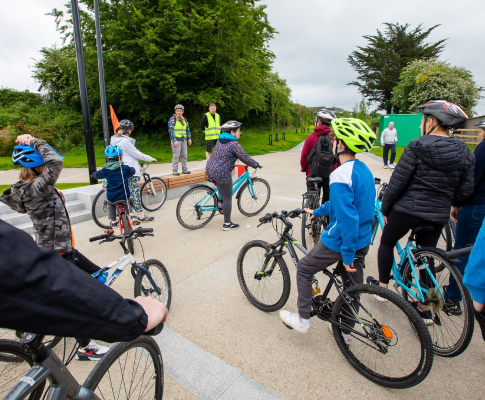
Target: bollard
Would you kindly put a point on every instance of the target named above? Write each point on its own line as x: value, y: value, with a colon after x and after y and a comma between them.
x: 276, y: 138
x: 296, y: 130
x: 270, y: 140
x: 284, y: 135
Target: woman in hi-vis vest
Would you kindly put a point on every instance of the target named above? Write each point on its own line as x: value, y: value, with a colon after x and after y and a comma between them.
x: 178, y: 128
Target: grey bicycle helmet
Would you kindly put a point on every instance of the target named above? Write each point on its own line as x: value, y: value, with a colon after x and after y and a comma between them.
x: 127, y: 125
x: 481, y: 124
x: 230, y: 125
x: 179, y: 106
x: 325, y: 116
x: 448, y: 114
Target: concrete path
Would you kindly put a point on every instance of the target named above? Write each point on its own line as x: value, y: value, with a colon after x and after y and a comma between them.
x: 218, y: 346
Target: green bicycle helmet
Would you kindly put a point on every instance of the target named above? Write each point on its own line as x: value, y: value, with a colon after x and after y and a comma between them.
x: 355, y: 133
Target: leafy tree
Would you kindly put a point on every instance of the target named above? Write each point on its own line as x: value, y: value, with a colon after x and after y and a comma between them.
x: 422, y: 81
x: 379, y: 64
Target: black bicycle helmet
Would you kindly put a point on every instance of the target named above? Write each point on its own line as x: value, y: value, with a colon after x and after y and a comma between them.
x: 448, y: 114
x: 325, y: 116
x: 127, y: 125
x: 230, y: 125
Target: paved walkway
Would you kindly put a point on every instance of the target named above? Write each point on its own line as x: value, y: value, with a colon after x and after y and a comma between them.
x: 218, y: 346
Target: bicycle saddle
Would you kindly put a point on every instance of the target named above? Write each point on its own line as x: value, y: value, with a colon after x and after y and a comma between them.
x: 455, y: 254
x: 119, y: 202
x: 314, y: 179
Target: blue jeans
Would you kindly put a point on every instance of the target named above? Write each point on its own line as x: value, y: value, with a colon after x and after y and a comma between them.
x: 469, y: 223
x: 385, y: 153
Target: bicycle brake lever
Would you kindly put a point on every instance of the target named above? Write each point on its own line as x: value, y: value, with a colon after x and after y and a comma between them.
x: 148, y: 234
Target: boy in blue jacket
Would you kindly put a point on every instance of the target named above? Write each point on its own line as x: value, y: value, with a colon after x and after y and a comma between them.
x: 117, y: 176
x: 351, y: 213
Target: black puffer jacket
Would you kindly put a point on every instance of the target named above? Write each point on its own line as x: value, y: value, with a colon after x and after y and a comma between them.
x: 433, y: 172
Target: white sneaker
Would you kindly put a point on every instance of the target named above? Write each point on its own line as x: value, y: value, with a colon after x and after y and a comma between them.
x: 293, y: 321
x: 92, y: 352
x: 346, y: 336
x: 392, y: 165
x: 385, y: 166
x: 381, y: 299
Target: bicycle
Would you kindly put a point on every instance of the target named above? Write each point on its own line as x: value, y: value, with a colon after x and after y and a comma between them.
x: 153, y: 195
x: 139, y: 363
x: 151, y: 277
x: 199, y: 204
x: 415, y: 281
x: 379, y: 342
x: 311, y: 230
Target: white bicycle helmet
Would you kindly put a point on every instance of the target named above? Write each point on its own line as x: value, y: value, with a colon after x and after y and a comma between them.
x: 179, y: 106
x: 230, y: 125
x: 325, y: 116
x: 481, y: 124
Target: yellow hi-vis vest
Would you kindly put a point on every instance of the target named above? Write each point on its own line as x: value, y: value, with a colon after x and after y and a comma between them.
x: 179, y: 130
x: 214, y: 129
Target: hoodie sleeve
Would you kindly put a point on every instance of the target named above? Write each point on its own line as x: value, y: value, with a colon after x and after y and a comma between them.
x: 241, y: 154
x: 304, y: 154
x: 171, y: 125
x: 44, y: 184
x: 99, y: 174
x: 204, y: 123
x: 465, y: 185
x: 131, y: 150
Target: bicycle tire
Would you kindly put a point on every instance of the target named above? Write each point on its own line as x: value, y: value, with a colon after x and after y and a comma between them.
x: 437, y: 332
x: 10, y: 334
x: 127, y: 230
x: 445, y: 241
x: 186, y: 210
x: 403, y: 344
x: 10, y: 372
x: 148, y: 197
x: 143, y: 287
x: 99, y: 210
x: 244, y: 199
x: 245, y: 279
x: 312, y: 230
x: 125, y: 359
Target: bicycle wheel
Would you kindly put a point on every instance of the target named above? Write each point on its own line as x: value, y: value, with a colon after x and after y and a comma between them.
x: 10, y: 334
x: 451, y: 334
x: 264, y: 281
x: 159, y: 273
x: 189, y: 212
x: 312, y: 230
x: 379, y: 342
x: 445, y: 241
x: 11, y: 372
x: 99, y: 210
x: 153, y: 194
x: 131, y: 370
x: 251, y: 201
x: 127, y: 229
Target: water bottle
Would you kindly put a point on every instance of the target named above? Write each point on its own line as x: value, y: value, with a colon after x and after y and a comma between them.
x: 103, y: 277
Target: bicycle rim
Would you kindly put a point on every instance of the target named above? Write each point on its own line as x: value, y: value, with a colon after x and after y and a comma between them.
x: 189, y: 214
x: 132, y: 370
x: 390, y: 353
x: 99, y: 210
x: 127, y: 230
x: 153, y: 194
x: 159, y: 273
x: 450, y: 334
x: 253, y: 201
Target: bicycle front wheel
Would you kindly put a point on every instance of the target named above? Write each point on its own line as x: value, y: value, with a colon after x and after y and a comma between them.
x: 377, y: 340
x: 143, y: 286
x: 451, y: 330
x: 127, y: 229
x: 131, y: 370
x: 265, y: 281
x: 252, y: 200
x: 196, y: 207
x: 99, y: 210
x: 153, y: 194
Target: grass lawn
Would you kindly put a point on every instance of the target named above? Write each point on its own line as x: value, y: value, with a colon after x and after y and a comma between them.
x: 253, y: 142
x: 60, y: 186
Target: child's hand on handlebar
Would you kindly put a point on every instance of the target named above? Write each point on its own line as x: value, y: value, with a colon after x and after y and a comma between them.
x: 155, y: 311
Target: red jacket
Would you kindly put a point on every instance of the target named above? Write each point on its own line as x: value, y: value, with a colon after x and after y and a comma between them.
x: 310, y: 142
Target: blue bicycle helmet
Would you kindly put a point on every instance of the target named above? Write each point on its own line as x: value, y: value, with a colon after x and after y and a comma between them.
x: 26, y: 156
x: 113, y: 151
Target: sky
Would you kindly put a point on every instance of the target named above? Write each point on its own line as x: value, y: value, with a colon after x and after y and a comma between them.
x: 314, y: 40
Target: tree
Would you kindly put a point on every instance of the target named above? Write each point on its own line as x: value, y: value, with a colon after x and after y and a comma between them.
x: 379, y: 64
x: 422, y: 81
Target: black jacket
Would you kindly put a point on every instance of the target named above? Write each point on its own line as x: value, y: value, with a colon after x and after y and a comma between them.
x: 433, y: 172
x: 41, y: 292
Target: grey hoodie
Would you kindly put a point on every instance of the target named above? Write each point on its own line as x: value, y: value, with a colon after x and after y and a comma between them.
x: 131, y: 154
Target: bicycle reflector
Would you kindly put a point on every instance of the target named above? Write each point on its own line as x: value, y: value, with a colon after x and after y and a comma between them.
x: 386, y: 332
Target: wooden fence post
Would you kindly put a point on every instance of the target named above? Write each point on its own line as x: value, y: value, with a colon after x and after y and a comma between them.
x: 270, y: 139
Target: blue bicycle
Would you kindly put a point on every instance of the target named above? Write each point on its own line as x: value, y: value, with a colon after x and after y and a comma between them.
x: 422, y: 276
x: 199, y: 204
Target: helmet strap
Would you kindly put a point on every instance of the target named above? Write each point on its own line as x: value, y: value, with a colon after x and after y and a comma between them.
x: 432, y: 129
x: 34, y: 170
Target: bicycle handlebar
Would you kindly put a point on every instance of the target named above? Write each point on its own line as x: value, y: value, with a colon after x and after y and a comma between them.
x: 155, y: 331
x: 282, y: 216
x: 110, y: 234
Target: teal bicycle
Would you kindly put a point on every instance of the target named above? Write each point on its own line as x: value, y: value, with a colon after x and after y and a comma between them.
x: 421, y: 276
x: 200, y: 203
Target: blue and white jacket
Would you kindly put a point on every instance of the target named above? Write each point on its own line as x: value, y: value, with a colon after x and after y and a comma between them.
x: 474, y: 278
x: 350, y: 208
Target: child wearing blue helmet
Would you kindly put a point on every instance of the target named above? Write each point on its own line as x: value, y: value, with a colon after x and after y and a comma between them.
x: 117, y: 176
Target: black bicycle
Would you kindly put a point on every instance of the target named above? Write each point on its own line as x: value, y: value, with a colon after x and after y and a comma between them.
x: 311, y: 230
x: 388, y: 343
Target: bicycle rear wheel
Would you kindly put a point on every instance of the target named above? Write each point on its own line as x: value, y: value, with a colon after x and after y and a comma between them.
x: 264, y: 281
x: 99, y: 210
x: 378, y: 341
x: 153, y: 194
x: 10, y: 334
x: 159, y: 273
x: 445, y: 241
x: 450, y: 333
x: 127, y: 229
x: 131, y: 370
x: 252, y: 200
x: 312, y: 230
x: 189, y: 212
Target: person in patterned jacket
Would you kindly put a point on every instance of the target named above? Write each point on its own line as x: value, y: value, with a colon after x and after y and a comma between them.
x: 221, y: 164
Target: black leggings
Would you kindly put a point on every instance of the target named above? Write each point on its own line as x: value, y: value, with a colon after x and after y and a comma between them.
x: 323, y: 188
x: 225, y: 190
x: 398, y: 225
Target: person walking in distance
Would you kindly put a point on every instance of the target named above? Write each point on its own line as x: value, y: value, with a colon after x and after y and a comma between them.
x: 178, y: 129
x: 388, y: 141
x: 211, y: 126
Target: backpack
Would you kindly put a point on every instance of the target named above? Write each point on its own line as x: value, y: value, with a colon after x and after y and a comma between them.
x: 321, y: 158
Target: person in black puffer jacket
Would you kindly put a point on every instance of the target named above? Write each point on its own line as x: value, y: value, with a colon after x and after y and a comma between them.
x: 434, y: 172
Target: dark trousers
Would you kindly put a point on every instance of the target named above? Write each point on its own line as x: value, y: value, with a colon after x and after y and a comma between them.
x: 225, y: 190
x: 398, y: 225
x: 323, y: 189
x: 319, y: 258
x: 385, y: 153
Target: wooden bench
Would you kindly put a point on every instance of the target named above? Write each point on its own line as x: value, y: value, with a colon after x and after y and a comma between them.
x: 183, y: 179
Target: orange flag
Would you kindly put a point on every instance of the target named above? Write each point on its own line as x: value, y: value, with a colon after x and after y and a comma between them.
x: 114, y: 119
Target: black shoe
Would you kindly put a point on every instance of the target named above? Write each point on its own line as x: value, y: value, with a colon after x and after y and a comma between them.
x: 426, y: 315
x: 230, y: 227
x: 452, y: 307
x: 372, y: 281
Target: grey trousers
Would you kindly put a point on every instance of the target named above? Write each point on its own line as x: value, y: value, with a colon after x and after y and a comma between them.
x: 179, y: 151
x: 319, y: 258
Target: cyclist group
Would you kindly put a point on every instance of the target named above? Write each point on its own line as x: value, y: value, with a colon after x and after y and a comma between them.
x: 41, y: 282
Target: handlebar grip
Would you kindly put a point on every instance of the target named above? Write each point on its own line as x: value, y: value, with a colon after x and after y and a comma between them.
x: 155, y: 331
x: 265, y: 218
x: 295, y: 213
x: 93, y: 239
x: 144, y: 230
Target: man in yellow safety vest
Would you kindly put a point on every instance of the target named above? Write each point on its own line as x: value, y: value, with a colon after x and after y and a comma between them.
x: 211, y: 125
x: 178, y: 129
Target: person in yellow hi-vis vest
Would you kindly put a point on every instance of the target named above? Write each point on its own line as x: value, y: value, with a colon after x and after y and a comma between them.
x: 178, y: 129
x: 211, y: 125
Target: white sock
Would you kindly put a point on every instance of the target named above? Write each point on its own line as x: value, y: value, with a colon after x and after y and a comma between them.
x: 304, y: 321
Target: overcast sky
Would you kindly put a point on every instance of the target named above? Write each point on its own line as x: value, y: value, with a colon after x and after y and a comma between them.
x: 315, y: 38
